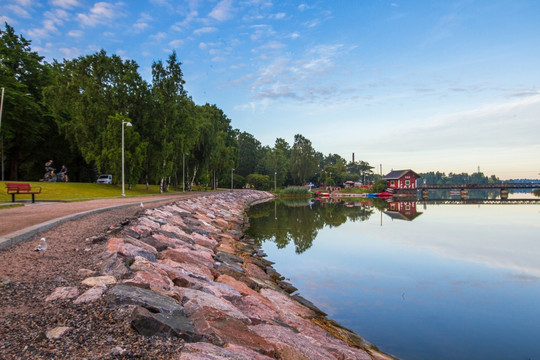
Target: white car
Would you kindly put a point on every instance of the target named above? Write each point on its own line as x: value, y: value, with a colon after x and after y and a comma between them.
x: 104, y: 179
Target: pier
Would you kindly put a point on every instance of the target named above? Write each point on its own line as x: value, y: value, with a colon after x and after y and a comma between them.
x: 464, y: 188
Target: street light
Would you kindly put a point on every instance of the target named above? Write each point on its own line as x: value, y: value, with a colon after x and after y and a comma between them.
x: 127, y: 123
x: 275, y: 183
x: 232, y: 179
x: 183, y: 172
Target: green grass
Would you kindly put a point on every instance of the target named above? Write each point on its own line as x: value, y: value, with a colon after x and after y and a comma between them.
x: 79, y: 191
x: 295, y: 191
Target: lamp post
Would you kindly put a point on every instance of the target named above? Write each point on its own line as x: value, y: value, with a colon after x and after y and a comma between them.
x: 275, y: 183
x: 232, y: 179
x: 183, y: 172
x: 127, y: 123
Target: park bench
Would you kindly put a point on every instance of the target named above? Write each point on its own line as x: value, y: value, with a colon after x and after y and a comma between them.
x: 21, y: 189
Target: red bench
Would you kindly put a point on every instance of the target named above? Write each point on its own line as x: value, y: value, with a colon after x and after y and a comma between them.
x: 21, y: 189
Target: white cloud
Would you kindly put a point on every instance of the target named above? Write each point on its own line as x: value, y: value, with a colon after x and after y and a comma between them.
x: 222, y: 11
x: 278, y: 16
x: 5, y: 19
x: 75, y: 33
x: 142, y: 22
x: 262, y: 31
x: 101, y: 13
x: 159, y: 36
x: 205, y: 30
x: 66, y: 4
x: 176, y: 43
x: 19, y: 11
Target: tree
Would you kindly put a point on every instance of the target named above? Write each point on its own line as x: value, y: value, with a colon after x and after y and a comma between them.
x: 302, y: 162
x: 25, y: 128
x: 89, y: 96
x: 249, y: 154
x: 172, y: 120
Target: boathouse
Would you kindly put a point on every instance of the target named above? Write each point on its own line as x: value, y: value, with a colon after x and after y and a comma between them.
x: 401, y: 179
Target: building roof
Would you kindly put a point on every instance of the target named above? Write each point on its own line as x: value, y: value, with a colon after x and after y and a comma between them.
x: 397, y: 174
x: 396, y: 215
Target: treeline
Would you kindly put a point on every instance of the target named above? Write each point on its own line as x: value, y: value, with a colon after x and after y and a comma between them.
x: 73, y: 112
x: 300, y: 223
x: 463, y: 178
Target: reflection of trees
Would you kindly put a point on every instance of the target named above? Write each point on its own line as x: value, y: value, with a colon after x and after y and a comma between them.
x: 279, y: 222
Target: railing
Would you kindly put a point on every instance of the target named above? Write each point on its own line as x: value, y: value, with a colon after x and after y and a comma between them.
x: 479, y: 186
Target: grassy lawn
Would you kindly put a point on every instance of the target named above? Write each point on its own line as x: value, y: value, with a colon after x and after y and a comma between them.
x: 79, y: 191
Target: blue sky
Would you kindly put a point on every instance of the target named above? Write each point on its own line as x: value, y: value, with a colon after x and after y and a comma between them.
x: 427, y: 85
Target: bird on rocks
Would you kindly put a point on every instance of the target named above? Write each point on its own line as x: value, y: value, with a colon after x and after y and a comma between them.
x: 142, y: 206
x: 42, y: 246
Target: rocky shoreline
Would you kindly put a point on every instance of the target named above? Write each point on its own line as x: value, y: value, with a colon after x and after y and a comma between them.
x: 179, y: 281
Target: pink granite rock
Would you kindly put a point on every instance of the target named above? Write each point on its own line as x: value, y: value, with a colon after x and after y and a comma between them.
x: 120, y: 246
x: 240, y: 286
x: 207, y: 351
x: 167, y: 241
x: 61, y: 293
x: 150, y: 280
x: 285, y: 304
x: 174, y: 229
x: 149, y: 223
x: 256, y: 272
x: 91, y: 295
x: 247, y: 353
x: 141, y: 245
x: 197, y: 301
x: 193, y: 270
x: 204, y: 240
x: 96, y: 280
x: 291, y: 345
x: 184, y: 255
x: 220, y: 329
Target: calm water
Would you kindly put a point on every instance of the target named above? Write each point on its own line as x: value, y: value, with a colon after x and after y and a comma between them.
x: 439, y: 281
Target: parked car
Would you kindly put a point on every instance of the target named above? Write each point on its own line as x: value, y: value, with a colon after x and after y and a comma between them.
x: 104, y: 179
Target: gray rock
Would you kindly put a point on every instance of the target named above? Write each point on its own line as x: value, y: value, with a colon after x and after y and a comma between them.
x: 175, y: 324
x: 228, y: 258
x: 148, y: 299
x: 308, y: 304
x: 115, y: 266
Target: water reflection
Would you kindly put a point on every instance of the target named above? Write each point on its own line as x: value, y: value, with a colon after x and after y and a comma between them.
x: 440, y: 279
x: 299, y: 220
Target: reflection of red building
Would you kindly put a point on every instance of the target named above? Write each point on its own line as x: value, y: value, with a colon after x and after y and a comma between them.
x: 402, y: 210
x: 401, y: 179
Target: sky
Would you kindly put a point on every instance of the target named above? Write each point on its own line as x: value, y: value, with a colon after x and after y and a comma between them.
x: 450, y: 86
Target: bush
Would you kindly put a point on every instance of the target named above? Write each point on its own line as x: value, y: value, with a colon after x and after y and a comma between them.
x: 260, y: 182
x: 295, y: 191
x: 379, y: 186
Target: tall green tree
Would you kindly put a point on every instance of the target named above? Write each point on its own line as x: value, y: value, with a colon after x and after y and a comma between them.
x: 25, y: 127
x: 172, y: 120
x: 303, y: 164
x: 249, y: 154
x: 89, y: 96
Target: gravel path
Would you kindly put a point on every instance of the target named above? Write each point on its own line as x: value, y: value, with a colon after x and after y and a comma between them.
x: 27, y: 277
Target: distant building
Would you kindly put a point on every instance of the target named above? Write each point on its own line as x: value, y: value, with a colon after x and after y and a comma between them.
x: 401, y: 179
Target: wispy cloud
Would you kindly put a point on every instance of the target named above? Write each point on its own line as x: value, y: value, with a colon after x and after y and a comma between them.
x: 142, y: 22
x: 205, y: 30
x: 66, y: 4
x: 302, y: 78
x: 158, y: 36
x: 101, y: 13
x: 223, y: 11
x: 19, y: 11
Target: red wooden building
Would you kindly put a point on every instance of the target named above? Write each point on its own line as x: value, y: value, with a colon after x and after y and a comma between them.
x: 402, y: 210
x: 401, y: 179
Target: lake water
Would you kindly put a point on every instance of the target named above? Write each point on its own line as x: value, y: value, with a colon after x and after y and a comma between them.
x: 434, y: 281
